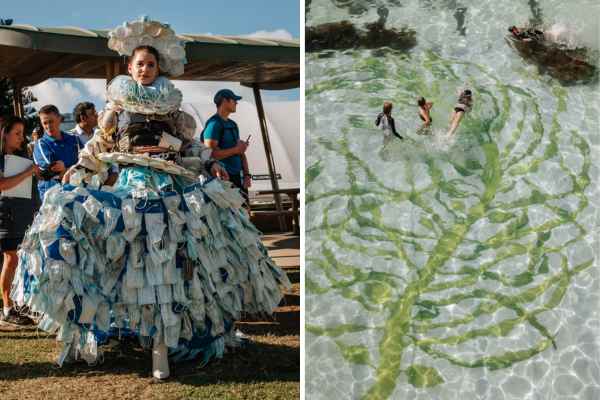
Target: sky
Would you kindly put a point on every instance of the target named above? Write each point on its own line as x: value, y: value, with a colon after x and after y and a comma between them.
x: 265, y: 18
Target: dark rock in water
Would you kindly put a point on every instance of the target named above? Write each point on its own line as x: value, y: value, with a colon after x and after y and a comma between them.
x: 379, y: 36
x: 326, y: 54
x: 567, y: 65
x: 331, y: 36
x: 344, y: 35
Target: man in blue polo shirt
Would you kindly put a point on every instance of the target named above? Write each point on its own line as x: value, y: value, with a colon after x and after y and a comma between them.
x: 223, y: 136
x: 54, y: 152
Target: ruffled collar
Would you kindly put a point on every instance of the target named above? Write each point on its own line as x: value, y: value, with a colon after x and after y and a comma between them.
x: 161, y: 97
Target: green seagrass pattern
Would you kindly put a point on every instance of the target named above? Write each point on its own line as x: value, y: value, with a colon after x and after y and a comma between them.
x: 481, y: 247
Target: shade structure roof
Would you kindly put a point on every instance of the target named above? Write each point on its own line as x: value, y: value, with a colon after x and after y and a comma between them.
x: 31, y: 55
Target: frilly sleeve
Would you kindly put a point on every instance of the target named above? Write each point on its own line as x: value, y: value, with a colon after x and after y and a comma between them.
x: 88, y: 155
x: 107, y: 119
x: 185, y: 125
x: 195, y: 156
x: 198, y: 158
x: 89, y: 164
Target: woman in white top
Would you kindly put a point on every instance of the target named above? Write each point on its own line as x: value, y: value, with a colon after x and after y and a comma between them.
x: 16, y: 214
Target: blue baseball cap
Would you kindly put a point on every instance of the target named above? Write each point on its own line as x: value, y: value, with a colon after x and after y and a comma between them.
x: 226, y: 94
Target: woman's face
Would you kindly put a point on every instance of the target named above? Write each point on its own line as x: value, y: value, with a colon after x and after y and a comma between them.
x: 143, y: 68
x: 14, y: 138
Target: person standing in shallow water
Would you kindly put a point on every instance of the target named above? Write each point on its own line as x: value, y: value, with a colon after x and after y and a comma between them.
x: 424, y: 109
x: 385, y: 122
x: 464, y: 104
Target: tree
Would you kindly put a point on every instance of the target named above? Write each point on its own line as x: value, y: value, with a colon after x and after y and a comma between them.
x: 7, y: 90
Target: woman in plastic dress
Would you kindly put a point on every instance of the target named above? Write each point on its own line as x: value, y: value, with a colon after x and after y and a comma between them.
x: 167, y: 254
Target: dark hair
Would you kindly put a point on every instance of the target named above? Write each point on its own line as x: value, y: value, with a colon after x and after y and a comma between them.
x: 387, y: 107
x: 80, y: 110
x: 7, y: 127
x: 49, y: 109
x: 421, y: 101
x: 10, y: 123
x: 149, y: 49
x: 467, y: 92
x: 220, y: 101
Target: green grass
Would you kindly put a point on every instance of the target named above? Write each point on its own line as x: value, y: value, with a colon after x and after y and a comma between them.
x: 268, y: 368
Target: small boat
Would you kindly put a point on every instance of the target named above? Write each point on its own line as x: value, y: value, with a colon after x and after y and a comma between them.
x: 568, y: 65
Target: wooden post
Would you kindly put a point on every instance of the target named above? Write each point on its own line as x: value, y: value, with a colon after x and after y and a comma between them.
x: 270, y: 162
x: 112, y: 68
x: 18, y: 107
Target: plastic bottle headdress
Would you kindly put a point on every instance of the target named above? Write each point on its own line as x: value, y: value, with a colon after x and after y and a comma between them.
x: 145, y: 32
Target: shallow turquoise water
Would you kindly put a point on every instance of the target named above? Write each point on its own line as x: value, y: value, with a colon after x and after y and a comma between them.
x: 437, y: 267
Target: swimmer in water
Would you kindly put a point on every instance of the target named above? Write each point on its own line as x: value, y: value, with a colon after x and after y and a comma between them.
x: 424, y: 109
x: 464, y: 104
x: 385, y: 121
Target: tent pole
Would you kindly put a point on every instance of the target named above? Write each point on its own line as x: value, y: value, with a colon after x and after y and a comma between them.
x: 112, y: 70
x: 269, y: 154
x: 108, y: 72
x: 18, y: 108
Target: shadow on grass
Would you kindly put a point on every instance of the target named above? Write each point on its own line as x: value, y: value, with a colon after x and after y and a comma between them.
x: 43, y: 335
x: 266, y: 328
x: 257, y: 362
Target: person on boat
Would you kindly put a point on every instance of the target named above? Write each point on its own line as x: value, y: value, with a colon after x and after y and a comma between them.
x: 526, y: 34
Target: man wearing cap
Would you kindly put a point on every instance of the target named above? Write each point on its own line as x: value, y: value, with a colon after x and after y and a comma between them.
x: 223, y: 136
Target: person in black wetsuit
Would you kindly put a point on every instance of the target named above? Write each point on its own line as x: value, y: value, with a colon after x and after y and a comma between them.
x: 385, y: 122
